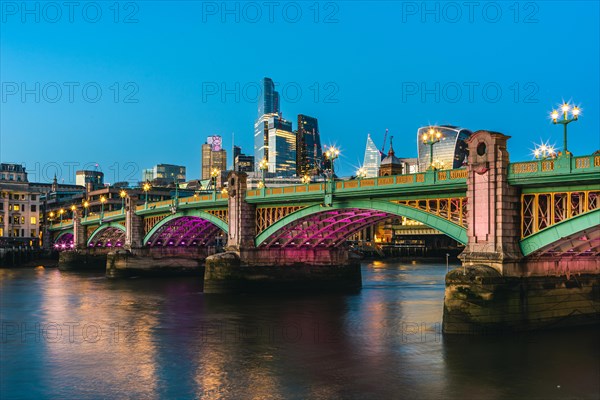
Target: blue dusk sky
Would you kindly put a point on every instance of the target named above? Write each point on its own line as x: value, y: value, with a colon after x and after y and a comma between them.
x: 128, y: 85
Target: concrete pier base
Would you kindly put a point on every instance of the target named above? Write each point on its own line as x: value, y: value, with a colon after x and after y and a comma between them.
x: 82, y: 260
x: 481, y: 301
x: 161, y: 261
x: 288, y: 270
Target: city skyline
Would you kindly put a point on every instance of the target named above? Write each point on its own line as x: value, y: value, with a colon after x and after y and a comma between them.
x: 164, y: 120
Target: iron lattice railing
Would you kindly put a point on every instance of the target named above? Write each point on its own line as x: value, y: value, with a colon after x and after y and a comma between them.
x: 541, y: 210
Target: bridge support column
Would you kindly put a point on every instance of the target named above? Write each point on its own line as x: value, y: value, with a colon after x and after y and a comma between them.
x: 492, y: 206
x: 79, y: 237
x: 241, y: 216
x: 134, y: 225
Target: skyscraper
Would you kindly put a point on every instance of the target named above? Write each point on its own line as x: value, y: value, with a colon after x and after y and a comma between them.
x: 282, y: 147
x: 273, y: 136
x: 308, y: 146
x: 213, y: 156
x: 372, y: 159
x: 449, y: 153
x: 268, y: 101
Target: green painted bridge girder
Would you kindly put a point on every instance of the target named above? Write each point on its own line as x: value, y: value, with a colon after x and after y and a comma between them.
x: 103, y: 227
x: 188, y: 213
x: 558, y: 231
x: 62, y: 233
x: 449, y: 228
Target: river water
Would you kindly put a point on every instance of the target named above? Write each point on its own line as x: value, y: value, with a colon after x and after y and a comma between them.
x: 81, y: 336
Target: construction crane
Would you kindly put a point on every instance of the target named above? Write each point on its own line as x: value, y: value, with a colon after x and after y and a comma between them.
x: 384, y: 140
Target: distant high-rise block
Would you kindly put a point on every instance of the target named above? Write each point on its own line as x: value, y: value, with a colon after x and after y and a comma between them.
x: 372, y: 160
x: 213, y: 156
x: 309, y: 153
x: 451, y: 152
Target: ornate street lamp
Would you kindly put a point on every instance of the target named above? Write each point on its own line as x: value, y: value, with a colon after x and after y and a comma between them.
x: 51, y: 217
x: 331, y: 154
x: 263, y: 165
x: 430, y: 138
x: 566, y: 108
x: 122, y: 194
x: 73, y: 208
x: 102, y: 201
x: 361, y: 173
x: 86, y: 204
x: 60, y: 213
x: 306, y: 179
x: 214, y: 173
x: 146, y: 188
x: 544, y: 151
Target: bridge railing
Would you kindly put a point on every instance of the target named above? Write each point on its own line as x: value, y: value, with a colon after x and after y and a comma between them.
x: 195, y: 199
x: 556, y: 166
x: 422, y: 178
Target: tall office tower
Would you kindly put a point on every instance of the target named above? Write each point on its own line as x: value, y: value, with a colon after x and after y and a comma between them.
x: 273, y: 136
x: 372, y: 160
x: 451, y: 152
x: 282, y: 147
x: 268, y: 101
x: 213, y: 156
x: 308, y: 146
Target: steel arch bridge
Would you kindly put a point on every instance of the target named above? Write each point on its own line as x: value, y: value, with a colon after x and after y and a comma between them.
x: 558, y: 208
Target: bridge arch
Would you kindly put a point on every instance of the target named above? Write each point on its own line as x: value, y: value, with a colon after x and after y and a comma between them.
x: 316, y: 224
x: 579, y: 233
x: 64, y: 240
x: 111, y: 234
x: 185, y: 228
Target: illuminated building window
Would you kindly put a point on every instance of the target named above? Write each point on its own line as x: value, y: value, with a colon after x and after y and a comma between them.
x: 33, y: 220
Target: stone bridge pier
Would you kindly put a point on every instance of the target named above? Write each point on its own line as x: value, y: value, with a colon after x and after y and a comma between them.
x: 82, y: 258
x: 498, y: 290
x: 244, y: 267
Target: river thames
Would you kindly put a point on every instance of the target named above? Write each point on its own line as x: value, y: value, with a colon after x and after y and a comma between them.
x: 82, y: 336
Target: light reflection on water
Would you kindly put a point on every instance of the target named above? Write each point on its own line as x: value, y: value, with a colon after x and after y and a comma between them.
x: 142, y: 338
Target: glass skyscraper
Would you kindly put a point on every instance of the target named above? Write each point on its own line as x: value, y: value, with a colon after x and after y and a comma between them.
x: 274, y: 139
x: 449, y: 153
x: 372, y: 159
x: 308, y: 146
x: 268, y: 101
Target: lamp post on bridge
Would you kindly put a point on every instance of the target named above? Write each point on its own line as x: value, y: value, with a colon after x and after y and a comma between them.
x: 146, y: 188
x: 176, y: 199
x: 86, y: 204
x: 565, y: 108
x: 430, y: 138
x: 306, y: 179
x: 214, y: 173
x: 60, y: 213
x: 263, y: 165
x: 102, y: 201
x: 332, y: 154
x: 123, y: 194
x: 361, y: 173
x: 73, y: 209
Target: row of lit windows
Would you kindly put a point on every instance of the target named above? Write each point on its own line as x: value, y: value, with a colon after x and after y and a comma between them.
x: 19, y: 207
x: 19, y: 220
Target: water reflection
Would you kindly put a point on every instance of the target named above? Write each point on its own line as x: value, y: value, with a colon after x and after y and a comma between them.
x: 165, y: 339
